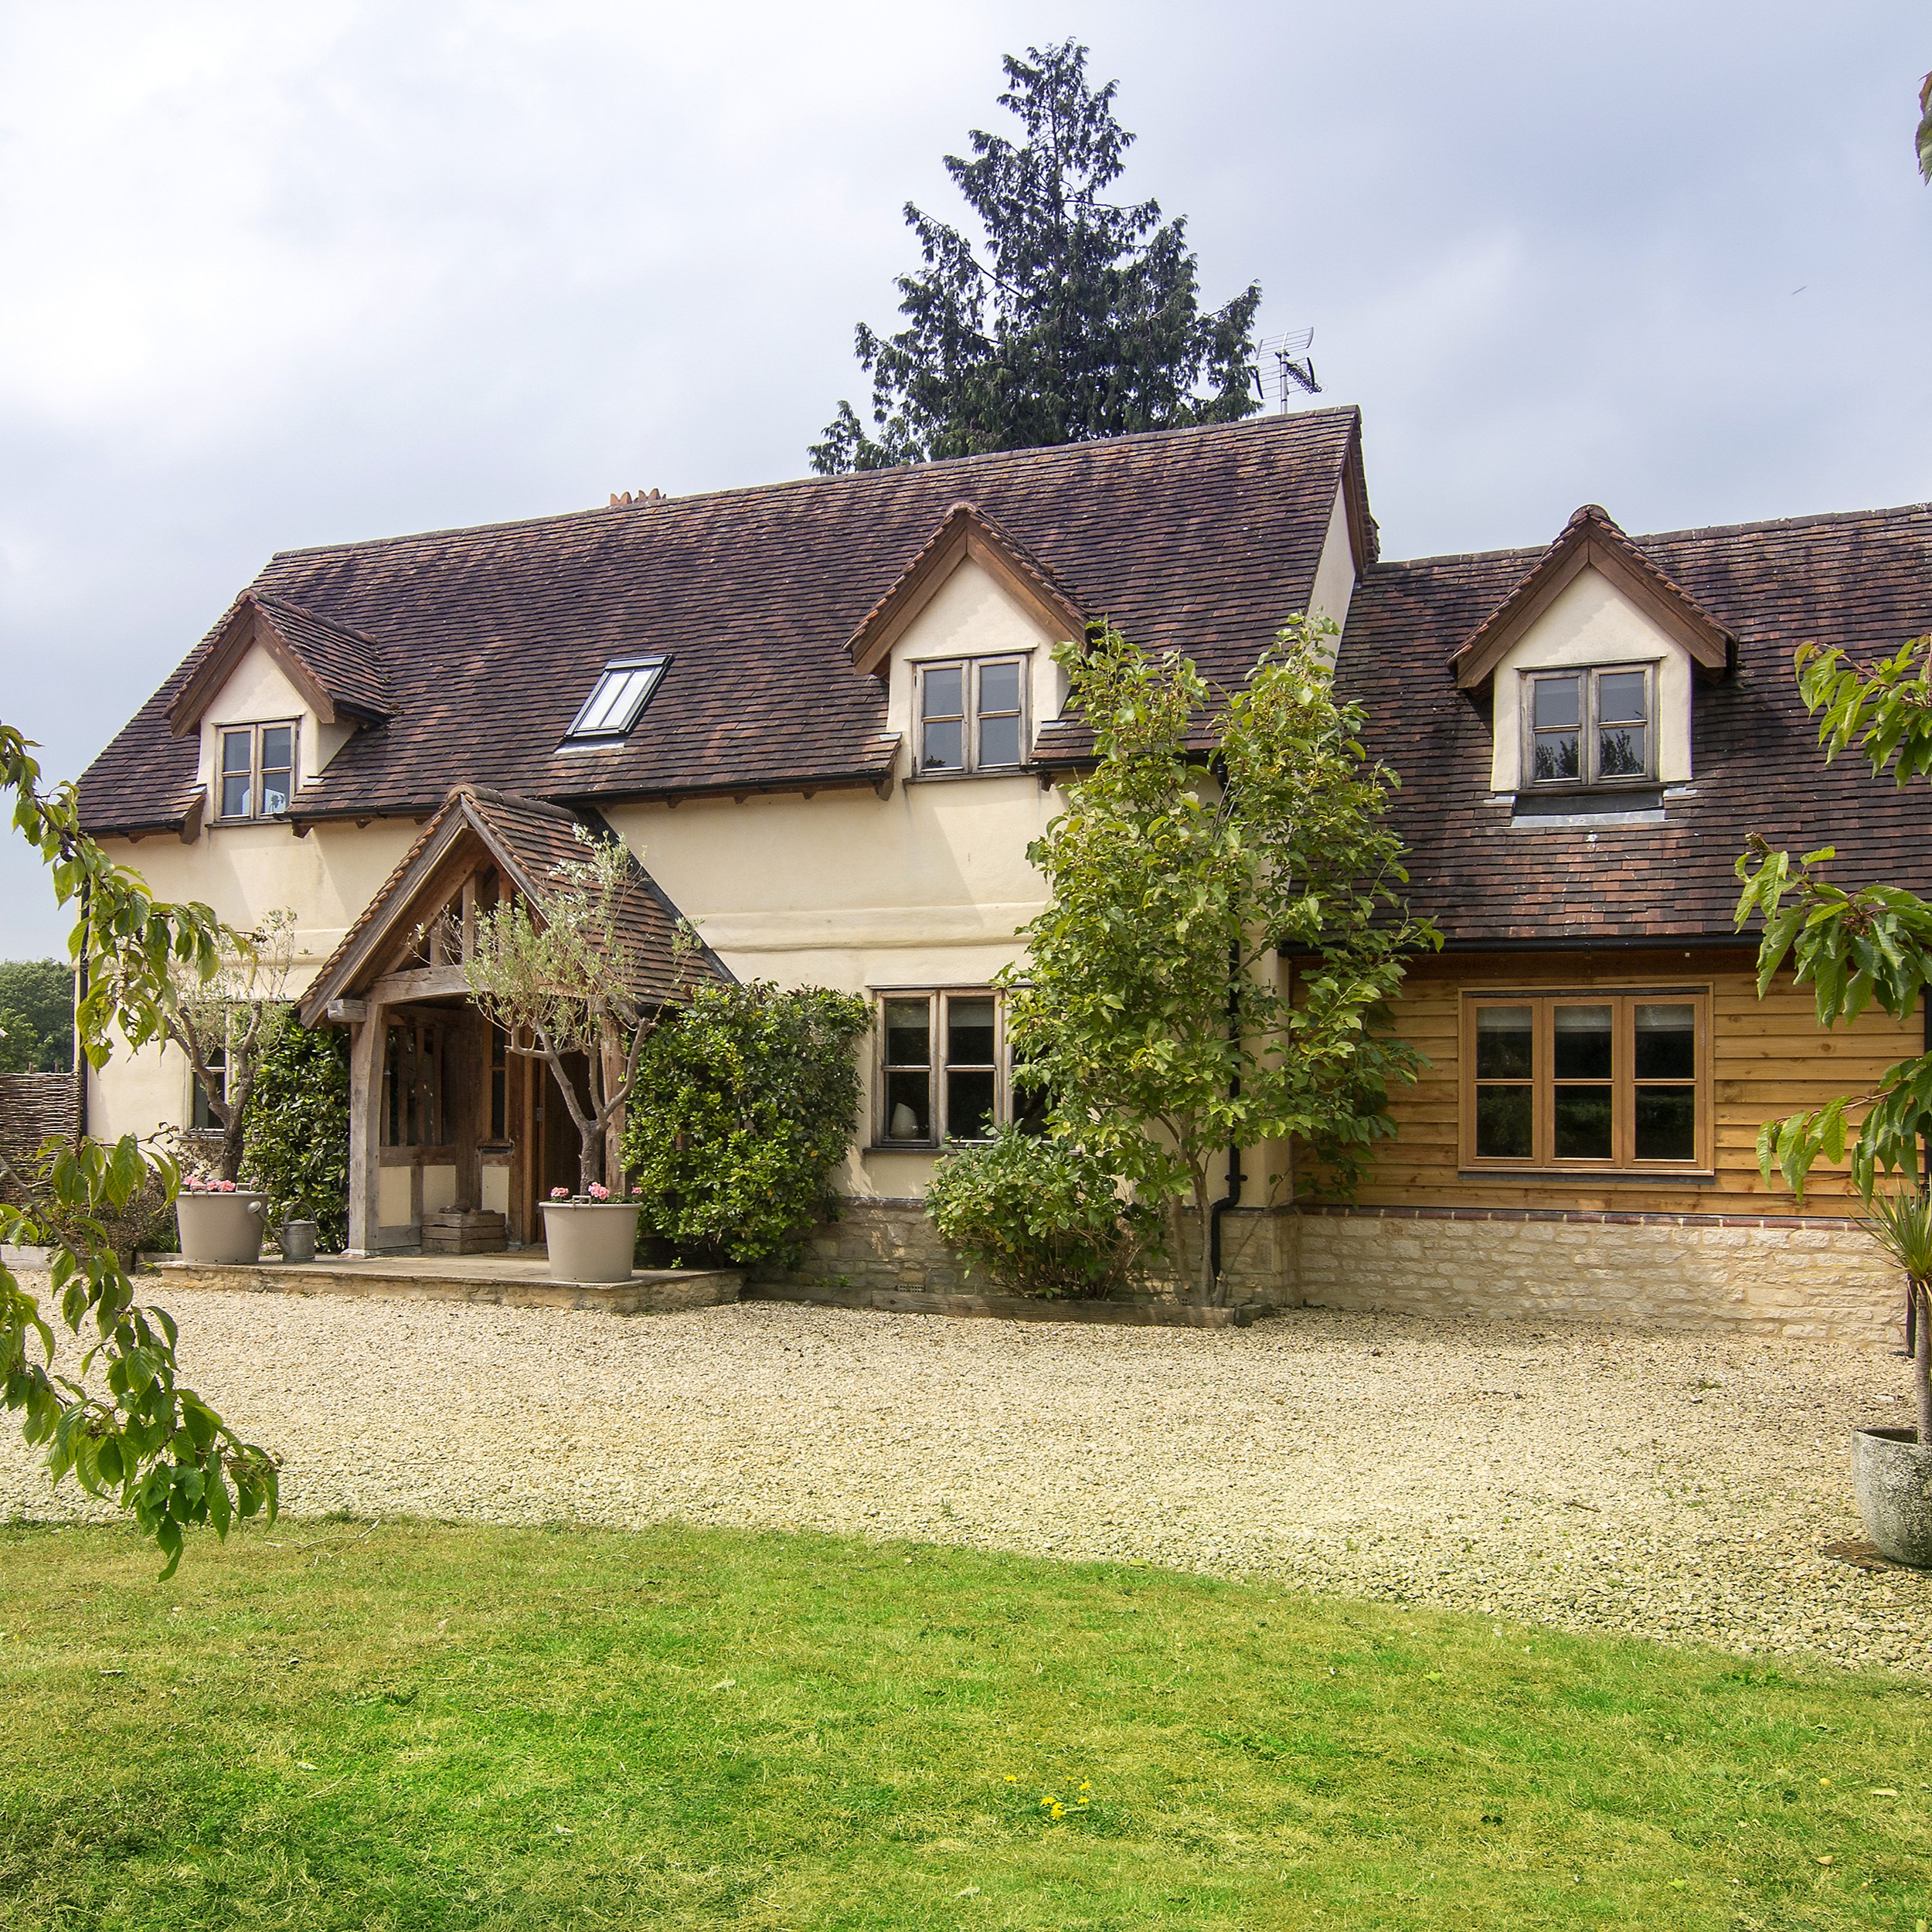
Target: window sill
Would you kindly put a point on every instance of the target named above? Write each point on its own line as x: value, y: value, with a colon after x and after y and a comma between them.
x: 1619, y: 1176
x: 917, y: 1147
x: 978, y: 771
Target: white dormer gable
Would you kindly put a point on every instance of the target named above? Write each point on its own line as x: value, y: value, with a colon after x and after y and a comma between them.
x: 970, y: 619
x: 964, y: 642
x: 1592, y: 625
x: 1591, y: 663
x: 258, y: 692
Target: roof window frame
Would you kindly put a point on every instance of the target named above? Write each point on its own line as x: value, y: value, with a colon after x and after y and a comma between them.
x: 616, y: 725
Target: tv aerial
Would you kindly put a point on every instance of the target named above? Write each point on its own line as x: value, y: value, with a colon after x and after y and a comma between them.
x: 1294, y: 367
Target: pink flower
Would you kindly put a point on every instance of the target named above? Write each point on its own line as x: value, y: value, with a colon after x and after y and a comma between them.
x: 225, y: 1187
x: 599, y: 1193
x: 560, y: 1194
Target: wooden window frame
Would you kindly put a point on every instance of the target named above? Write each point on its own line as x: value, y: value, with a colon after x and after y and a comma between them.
x: 938, y: 1068
x: 1588, y: 779
x: 1623, y: 1000
x: 971, y: 672
x: 254, y: 814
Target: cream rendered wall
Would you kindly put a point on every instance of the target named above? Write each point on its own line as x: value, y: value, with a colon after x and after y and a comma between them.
x: 925, y: 888
x: 1334, y: 575
x: 1592, y: 622
x: 243, y: 872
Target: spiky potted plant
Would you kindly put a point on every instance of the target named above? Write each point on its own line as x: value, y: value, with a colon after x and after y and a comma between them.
x: 554, y: 981
x: 1892, y: 1468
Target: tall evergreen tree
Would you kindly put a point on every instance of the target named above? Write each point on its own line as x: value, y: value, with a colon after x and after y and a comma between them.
x: 1080, y: 319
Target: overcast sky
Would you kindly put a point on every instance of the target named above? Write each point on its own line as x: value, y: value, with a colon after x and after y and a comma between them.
x: 273, y: 276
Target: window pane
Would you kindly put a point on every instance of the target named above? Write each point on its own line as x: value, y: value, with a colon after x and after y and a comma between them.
x: 1557, y: 702
x: 1666, y: 1042
x: 945, y: 746
x: 604, y: 701
x: 969, y: 1106
x: 234, y: 796
x: 1620, y: 698
x: 1505, y: 1041
x: 945, y: 691
x: 1619, y: 753
x: 999, y: 687
x: 236, y: 749
x: 1583, y: 1123
x: 999, y: 741
x: 908, y: 1107
x: 1504, y: 1118
x: 908, y: 1033
x: 1583, y: 1042
x: 969, y: 1032
x: 1556, y: 755
x: 278, y: 759
x: 1666, y: 1123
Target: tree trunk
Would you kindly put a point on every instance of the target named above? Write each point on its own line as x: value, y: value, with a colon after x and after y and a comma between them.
x: 1206, y: 1284
x: 234, y: 1125
x: 1922, y: 1361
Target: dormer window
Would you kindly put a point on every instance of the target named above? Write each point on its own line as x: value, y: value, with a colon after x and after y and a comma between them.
x: 1588, y: 729
x: 257, y: 775
x: 972, y: 714
x: 613, y: 706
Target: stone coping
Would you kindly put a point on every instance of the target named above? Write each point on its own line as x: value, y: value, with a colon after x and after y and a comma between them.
x: 518, y: 1281
x: 1136, y: 1311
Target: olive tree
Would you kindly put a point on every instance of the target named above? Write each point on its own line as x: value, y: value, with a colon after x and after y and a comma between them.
x: 1217, y: 831
x: 556, y: 982
x: 224, y: 1022
x: 123, y: 1423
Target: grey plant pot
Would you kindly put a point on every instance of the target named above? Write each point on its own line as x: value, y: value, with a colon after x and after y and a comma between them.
x: 590, y: 1240
x: 1891, y: 1478
x: 221, y: 1227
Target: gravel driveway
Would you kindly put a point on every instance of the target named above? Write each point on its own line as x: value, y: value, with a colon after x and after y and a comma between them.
x: 1671, y: 1487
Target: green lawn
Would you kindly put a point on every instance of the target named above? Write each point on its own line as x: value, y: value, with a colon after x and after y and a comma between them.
x: 419, y: 1727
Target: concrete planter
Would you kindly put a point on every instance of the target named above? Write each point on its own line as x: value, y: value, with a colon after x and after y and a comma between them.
x: 1891, y: 1478
x: 221, y: 1227
x: 590, y: 1240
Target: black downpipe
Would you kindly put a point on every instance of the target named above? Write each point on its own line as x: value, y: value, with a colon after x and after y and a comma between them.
x: 1236, y: 1177
x: 80, y: 993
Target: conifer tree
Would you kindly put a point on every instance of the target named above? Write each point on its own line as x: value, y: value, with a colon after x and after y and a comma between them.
x: 1078, y: 318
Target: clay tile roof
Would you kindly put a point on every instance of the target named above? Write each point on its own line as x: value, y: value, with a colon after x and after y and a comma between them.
x: 490, y: 639
x: 1862, y: 580
x: 347, y: 663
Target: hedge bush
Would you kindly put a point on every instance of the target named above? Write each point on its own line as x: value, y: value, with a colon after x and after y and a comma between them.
x: 297, y: 1149
x: 742, y: 1111
x: 1040, y: 1216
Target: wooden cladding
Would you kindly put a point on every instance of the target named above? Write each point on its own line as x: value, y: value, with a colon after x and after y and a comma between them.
x: 1764, y: 1059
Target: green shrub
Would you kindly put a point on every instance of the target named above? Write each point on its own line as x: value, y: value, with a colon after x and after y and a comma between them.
x: 742, y: 1111
x: 297, y: 1149
x: 1040, y: 1216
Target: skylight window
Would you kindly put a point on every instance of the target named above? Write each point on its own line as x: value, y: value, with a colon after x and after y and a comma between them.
x: 612, y: 708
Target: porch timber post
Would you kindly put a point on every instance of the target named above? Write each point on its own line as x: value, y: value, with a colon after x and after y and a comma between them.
x: 366, y: 1043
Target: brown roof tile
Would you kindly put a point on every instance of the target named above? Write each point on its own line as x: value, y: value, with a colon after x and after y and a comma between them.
x: 490, y: 639
x: 1863, y: 580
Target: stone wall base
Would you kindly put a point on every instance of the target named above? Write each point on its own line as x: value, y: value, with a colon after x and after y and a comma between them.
x: 1793, y: 1277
